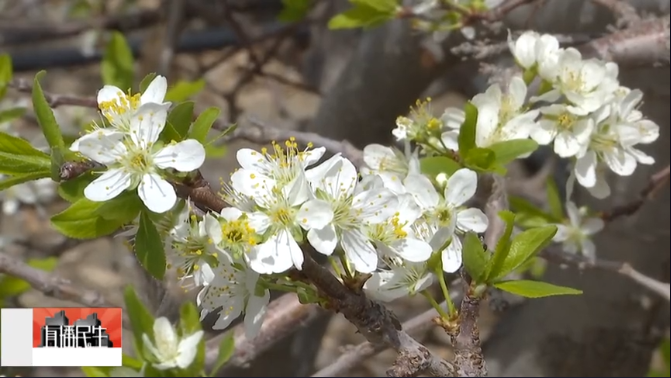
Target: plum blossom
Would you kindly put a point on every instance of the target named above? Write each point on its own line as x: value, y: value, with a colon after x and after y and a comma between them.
x: 575, y: 235
x: 136, y: 160
x: 168, y: 349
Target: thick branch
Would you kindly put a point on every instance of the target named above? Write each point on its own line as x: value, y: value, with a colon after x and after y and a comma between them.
x: 49, y: 283
x: 55, y: 100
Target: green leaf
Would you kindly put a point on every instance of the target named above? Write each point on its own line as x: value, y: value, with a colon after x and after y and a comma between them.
x: 294, y: 10
x: 24, y: 164
x: 184, y: 90
x: 81, y: 221
x: 202, y: 125
x: 149, y: 247
x: 502, y: 245
x: 189, y: 319
x: 131, y: 362
x: 179, y: 121
x: 510, y: 150
x: 122, y: 371
x: 144, y: 84
x: 528, y: 215
x: 434, y: 165
x: 141, y: 320
x: 12, y: 286
x: 535, y: 289
x: 18, y: 146
x: 93, y: 371
x: 20, y: 179
x: 466, y: 137
x: 212, y: 151
x: 524, y: 246
x: 73, y: 190
x: 475, y: 257
x: 45, y: 116
x: 365, y: 13
x: 226, y: 349
x: 123, y: 208
x: 480, y: 159
x: 666, y: 351
x: 554, y: 200
x: 6, y: 73
x: 231, y: 128
x: 117, y: 65
x: 11, y: 114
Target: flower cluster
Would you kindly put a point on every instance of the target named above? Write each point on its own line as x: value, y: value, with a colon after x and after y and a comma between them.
x: 128, y: 145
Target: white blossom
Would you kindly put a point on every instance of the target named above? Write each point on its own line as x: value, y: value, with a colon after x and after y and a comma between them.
x: 575, y: 235
x: 569, y: 132
x: 234, y: 288
x: 502, y: 117
x: 586, y: 84
x: 352, y: 207
x: 444, y: 214
x: 399, y: 281
x: 136, y: 160
x: 192, y: 249
x: 390, y: 164
x: 169, y: 351
x: 452, y: 119
x: 532, y: 50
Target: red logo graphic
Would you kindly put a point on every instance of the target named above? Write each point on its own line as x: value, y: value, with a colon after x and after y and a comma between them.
x: 77, y: 327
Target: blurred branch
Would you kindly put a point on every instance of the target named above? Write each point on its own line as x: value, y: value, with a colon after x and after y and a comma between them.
x: 623, y: 268
x: 55, y: 100
x: 49, y: 283
x: 657, y: 182
x: 283, y: 317
x: 624, y: 12
x: 175, y: 14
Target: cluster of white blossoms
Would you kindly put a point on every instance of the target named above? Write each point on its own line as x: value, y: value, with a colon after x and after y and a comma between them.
x: 581, y: 109
x: 128, y: 145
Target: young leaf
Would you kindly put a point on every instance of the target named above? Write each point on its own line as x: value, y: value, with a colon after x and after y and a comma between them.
x: 149, y: 247
x: 475, y: 257
x: 179, y: 119
x: 535, y: 289
x: 202, y: 125
x: 141, y: 320
x: 183, y: 90
x: 117, y: 65
x: 189, y: 319
x: 73, y: 190
x: 6, y: 73
x: 123, y: 208
x: 11, y: 164
x: 20, y: 179
x: 466, y: 138
x: 365, y: 13
x: 122, y: 371
x: 18, y: 146
x: 529, y: 215
x: 432, y: 166
x: 80, y: 221
x: 144, y: 84
x: 93, y: 371
x: 11, y: 114
x: 131, y: 362
x: 510, y: 150
x: 294, y: 10
x: 480, y: 159
x: 524, y: 246
x: 45, y: 116
x: 502, y: 245
x: 554, y: 200
x: 226, y: 349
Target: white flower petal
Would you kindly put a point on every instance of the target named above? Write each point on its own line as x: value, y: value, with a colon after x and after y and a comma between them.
x: 562, y: 233
x: 488, y: 120
x: 323, y: 240
x: 104, y: 145
x: 573, y: 214
x: 230, y: 213
x: 109, y: 185
x: 517, y: 90
x: 585, y: 169
x: 255, y: 312
x: 155, y: 91
x: 375, y: 205
x: 164, y: 334
x: 412, y: 250
x: 156, y: 193
x: 315, y: 214
x: 472, y: 219
x: 620, y: 162
x: 109, y: 93
x: 451, y: 256
x: 461, y: 187
x: 188, y: 348
x: 422, y: 190
x: 451, y: 140
x: 592, y: 225
x: 252, y: 183
x: 185, y: 156
x: 147, y: 124
x: 544, y: 132
x: 374, y: 155
x: 588, y: 249
x: 359, y: 251
x: 253, y: 160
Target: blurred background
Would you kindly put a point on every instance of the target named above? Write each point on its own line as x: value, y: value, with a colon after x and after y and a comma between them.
x: 260, y: 63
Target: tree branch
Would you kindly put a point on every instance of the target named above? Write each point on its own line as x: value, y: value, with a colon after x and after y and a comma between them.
x: 49, y: 283
x: 656, y: 183
x: 55, y: 100
x: 624, y: 12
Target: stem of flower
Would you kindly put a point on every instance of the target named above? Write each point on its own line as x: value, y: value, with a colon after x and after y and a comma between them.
x: 336, y: 267
x: 435, y: 304
x: 345, y: 266
x: 279, y: 287
x: 452, y: 310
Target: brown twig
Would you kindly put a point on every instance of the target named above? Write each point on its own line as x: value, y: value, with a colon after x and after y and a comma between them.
x: 623, y: 268
x: 55, y: 100
x: 49, y: 283
x: 656, y: 183
x: 499, y: 12
x: 624, y: 12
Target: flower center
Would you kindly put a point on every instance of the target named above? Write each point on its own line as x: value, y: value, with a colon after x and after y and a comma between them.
x: 565, y: 121
x: 238, y: 232
x: 574, y: 81
x: 118, y: 111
